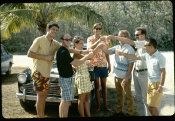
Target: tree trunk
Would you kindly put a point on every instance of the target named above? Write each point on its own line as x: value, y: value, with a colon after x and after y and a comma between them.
x: 41, y: 26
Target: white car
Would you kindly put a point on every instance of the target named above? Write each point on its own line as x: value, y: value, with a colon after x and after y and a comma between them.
x: 6, y: 60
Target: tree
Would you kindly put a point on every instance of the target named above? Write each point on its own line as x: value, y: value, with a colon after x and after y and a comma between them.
x: 14, y: 17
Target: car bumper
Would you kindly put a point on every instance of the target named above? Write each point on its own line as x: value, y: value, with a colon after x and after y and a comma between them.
x: 25, y: 97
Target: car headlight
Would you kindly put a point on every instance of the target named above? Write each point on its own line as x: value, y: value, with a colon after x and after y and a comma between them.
x: 22, y: 78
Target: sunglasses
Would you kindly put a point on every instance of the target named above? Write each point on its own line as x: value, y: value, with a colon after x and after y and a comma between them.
x: 147, y: 45
x: 98, y: 28
x: 137, y: 34
x: 67, y: 39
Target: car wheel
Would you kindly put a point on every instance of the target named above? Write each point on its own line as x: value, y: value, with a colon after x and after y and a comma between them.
x: 28, y: 105
x: 9, y: 69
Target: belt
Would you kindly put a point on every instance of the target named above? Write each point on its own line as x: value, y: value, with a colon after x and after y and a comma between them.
x: 140, y: 70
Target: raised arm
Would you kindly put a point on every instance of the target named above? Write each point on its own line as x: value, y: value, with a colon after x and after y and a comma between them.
x: 95, y: 44
x: 76, y: 63
x: 122, y: 39
x: 105, y: 50
x: 99, y: 46
x: 129, y: 56
x: 71, y: 50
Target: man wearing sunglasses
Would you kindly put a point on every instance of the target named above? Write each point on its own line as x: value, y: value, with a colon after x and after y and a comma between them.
x: 66, y: 80
x: 155, y: 63
x: 101, y: 64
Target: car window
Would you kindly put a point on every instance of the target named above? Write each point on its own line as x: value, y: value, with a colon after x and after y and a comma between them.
x: 6, y: 50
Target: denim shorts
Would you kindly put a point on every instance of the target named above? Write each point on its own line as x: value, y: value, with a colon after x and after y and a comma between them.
x: 101, y: 72
x: 67, y: 88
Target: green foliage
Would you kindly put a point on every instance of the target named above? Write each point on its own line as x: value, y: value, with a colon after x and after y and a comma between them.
x: 165, y: 44
x: 16, y: 45
x: 13, y: 18
x: 77, y: 18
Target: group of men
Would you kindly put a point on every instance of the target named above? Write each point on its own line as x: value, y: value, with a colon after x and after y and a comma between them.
x: 150, y: 65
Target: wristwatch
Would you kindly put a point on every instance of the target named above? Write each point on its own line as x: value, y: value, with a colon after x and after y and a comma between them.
x: 161, y: 86
x: 81, y: 52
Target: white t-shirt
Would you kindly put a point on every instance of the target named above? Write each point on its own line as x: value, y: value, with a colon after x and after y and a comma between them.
x: 139, y: 44
x: 140, y: 64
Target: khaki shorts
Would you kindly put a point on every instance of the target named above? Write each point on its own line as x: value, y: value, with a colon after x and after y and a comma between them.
x: 153, y: 97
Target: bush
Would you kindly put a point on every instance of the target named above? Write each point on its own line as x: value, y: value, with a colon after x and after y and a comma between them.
x: 16, y: 45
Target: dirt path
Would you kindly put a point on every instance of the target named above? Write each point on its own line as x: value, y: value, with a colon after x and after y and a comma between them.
x: 167, y: 106
x: 11, y: 107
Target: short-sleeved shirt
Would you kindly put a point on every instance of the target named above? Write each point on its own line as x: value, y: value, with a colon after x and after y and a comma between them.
x: 41, y: 45
x: 139, y: 44
x: 154, y: 63
x: 140, y: 64
x: 64, y: 59
x: 121, y: 63
x: 99, y: 58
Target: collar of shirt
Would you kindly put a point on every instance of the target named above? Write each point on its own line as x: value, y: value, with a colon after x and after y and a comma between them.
x: 155, y: 54
x: 124, y: 45
x: 140, y: 40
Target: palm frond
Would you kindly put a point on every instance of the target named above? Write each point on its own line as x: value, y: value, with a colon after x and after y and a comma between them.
x: 10, y: 6
x: 15, y: 20
x: 81, y: 15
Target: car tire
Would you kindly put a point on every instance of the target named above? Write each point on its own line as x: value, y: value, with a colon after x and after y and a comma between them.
x: 9, y: 69
x: 28, y: 105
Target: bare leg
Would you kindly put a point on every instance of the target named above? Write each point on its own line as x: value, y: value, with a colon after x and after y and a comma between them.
x: 104, y: 92
x: 44, y: 104
x: 60, y: 108
x: 86, y: 105
x: 40, y: 104
x: 97, y: 94
x: 64, y: 109
x: 81, y: 104
x: 153, y: 111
